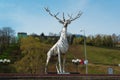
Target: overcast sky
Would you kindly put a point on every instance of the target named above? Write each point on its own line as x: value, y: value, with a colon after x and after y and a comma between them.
x: 99, y: 16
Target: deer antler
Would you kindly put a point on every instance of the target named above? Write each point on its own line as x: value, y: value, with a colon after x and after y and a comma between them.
x: 77, y: 16
x: 54, y: 15
x: 70, y: 16
x: 63, y: 17
x: 62, y: 21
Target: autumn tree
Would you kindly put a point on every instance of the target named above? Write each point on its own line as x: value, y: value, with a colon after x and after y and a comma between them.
x: 33, y: 52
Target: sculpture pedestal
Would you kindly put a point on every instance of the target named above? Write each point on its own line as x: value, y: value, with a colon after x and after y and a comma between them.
x: 64, y: 73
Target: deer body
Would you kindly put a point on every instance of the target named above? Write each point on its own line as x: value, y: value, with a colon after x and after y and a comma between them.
x: 61, y: 46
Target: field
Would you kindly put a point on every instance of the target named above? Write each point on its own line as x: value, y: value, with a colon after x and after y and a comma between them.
x: 100, y: 59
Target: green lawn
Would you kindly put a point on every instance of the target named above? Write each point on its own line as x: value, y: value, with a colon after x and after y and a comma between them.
x: 99, y: 59
x: 103, y: 55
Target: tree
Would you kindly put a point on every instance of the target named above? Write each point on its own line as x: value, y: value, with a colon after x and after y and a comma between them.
x: 119, y: 38
x: 98, y: 40
x: 90, y: 40
x: 101, y: 40
x: 78, y: 40
x: 71, y: 37
x: 33, y: 56
x: 8, y: 50
x: 42, y: 35
x: 6, y: 37
x: 110, y: 41
x: 115, y: 39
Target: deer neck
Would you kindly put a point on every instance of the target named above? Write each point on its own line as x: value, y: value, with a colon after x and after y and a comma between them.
x: 64, y: 33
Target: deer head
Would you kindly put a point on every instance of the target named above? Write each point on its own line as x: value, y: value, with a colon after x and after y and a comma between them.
x: 64, y: 21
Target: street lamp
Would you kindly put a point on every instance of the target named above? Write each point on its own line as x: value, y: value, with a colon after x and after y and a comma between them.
x: 86, y: 61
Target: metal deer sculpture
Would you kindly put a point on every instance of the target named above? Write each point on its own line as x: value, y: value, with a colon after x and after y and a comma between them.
x: 61, y: 46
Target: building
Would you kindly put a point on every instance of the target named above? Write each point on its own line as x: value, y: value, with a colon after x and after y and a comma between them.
x: 21, y: 35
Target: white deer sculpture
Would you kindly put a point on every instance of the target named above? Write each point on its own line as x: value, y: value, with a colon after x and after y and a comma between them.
x: 61, y: 46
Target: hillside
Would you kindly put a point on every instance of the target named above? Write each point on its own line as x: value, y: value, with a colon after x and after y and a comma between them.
x: 100, y: 59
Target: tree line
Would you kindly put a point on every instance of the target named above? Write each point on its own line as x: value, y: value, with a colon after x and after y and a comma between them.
x: 99, y: 40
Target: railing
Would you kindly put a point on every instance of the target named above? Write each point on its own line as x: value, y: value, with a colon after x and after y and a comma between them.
x: 17, y: 76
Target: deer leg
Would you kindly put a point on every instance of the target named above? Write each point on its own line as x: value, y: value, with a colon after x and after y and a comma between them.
x: 46, y: 66
x: 64, y: 59
x: 59, y: 60
x: 57, y: 67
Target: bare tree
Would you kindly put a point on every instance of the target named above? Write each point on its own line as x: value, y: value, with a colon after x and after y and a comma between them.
x: 6, y: 36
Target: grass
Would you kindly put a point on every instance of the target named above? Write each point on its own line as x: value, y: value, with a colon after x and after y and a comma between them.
x: 103, y: 55
x: 100, y: 59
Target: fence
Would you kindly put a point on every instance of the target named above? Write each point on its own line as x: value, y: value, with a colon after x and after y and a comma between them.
x: 15, y: 76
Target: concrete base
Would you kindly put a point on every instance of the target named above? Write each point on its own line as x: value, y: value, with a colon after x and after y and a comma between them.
x: 64, y: 73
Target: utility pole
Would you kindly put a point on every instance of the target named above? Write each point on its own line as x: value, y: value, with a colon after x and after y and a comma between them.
x: 86, y: 61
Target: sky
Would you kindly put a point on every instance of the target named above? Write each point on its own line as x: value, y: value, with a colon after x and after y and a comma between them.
x: 99, y: 16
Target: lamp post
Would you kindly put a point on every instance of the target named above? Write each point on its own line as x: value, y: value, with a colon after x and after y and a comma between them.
x: 86, y: 61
